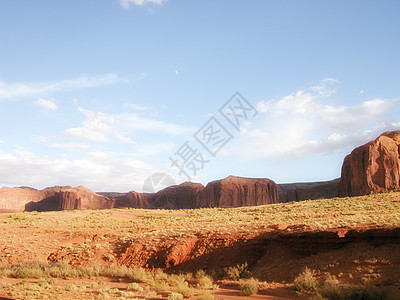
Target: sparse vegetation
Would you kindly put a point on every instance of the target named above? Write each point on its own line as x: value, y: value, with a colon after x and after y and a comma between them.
x: 237, y: 272
x: 205, y: 295
x: 175, y: 296
x: 203, y: 280
x: 249, y: 287
x: 306, y: 281
x: 74, y: 238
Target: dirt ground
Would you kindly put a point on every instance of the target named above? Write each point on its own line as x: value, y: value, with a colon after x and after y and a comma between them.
x: 355, y: 239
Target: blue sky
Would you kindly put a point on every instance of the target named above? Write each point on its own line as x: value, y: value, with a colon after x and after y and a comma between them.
x: 104, y: 93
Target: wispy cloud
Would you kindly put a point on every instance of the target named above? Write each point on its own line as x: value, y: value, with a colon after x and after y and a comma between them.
x: 126, y: 4
x: 138, y: 107
x: 47, y: 104
x: 99, y: 171
x: 303, y: 123
x: 102, y: 127
x: 97, y: 126
x: 17, y: 90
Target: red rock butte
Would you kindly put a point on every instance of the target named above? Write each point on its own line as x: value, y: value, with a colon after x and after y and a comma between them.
x: 372, y: 167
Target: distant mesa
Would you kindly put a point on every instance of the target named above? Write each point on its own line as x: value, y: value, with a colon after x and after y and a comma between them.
x: 308, y: 190
x: 229, y: 192
x: 68, y: 198
x: 370, y: 168
x: 238, y: 191
x: 52, y: 198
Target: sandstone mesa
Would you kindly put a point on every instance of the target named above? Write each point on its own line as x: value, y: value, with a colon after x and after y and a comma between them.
x: 370, y: 168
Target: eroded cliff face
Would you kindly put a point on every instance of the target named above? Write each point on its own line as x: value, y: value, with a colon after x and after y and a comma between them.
x: 237, y: 191
x: 229, y: 192
x: 372, y: 167
x: 308, y: 190
x: 132, y: 200
x: 182, y: 196
x: 69, y: 199
x: 15, y: 199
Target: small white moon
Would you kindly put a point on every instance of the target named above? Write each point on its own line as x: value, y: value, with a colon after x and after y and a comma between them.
x: 176, y: 72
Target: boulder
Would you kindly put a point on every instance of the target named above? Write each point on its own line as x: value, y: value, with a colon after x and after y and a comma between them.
x: 308, y: 190
x: 372, y: 167
x: 237, y: 191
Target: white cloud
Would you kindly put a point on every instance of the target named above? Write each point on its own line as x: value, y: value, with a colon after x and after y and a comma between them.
x: 68, y: 146
x: 99, y: 171
x: 97, y: 126
x: 16, y: 90
x: 133, y: 122
x: 138, y: 107
x: 127, y: 3
x: 47, y: 104
x: 303, y: 123
x: 101, y: 127
x: 2, y: 142
x: 350, y: 118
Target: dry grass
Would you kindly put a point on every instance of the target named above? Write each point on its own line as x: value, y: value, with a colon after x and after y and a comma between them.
x: 98, y: 236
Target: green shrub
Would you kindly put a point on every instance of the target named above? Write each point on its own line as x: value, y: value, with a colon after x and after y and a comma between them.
x: 237, y: 272
x: 306, y: 281
x: 248, y: 287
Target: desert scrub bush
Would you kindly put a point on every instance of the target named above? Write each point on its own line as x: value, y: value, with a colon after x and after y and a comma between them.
x: 306, y: 281
x: 237, y: 272
x: 70, y: 287
x: 203, y: 280
x: 134, y: 287
x: 184, y: 289
x: 331, y: 289
x: 369, y: 292
x: 152, y: 294
x: 138, y: 275
x: 42, y: 282
x: 248, y: 287
x: 27, y: 271
x: 175, y: 296
x: 205, y: 295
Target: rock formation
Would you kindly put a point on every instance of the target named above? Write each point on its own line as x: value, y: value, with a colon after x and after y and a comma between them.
x: 182, y: 196
x: 132, y: 200
x: 237, y: 191
x: 308, y: 190
x: 15, y: 199
x: 372, y: 167
x: 67, y: 198
x: 228, y: 192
